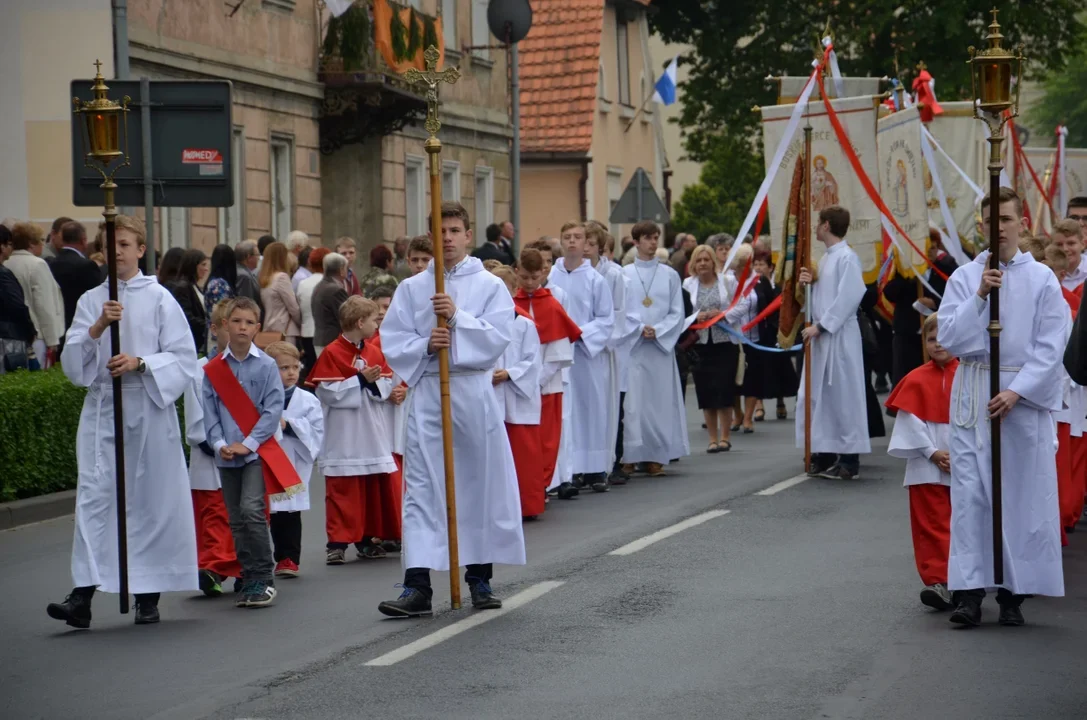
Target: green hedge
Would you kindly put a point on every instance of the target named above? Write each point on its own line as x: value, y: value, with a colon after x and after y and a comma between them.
x: 39, y: 419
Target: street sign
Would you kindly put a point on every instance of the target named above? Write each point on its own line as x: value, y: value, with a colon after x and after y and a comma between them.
x: 190, y: 145
x: 639, y: 202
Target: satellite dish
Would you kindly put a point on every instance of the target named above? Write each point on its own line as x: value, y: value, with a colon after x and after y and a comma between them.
x: 509, y: 20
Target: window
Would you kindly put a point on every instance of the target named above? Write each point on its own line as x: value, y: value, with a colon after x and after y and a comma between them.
x: 282, y: 172
x: 481, y: 32
x: 622, y: 45
x: 174, y: 228
x: 484, y: 202
x: 615, y: 191
x: 449, y: 24
x: 232, y: 219
x: 450, y: 181
x: 415, y: 195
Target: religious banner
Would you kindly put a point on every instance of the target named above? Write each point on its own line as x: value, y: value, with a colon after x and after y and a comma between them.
x: 1043, y: 161
x: 902, y: 185
x: 963, y: 139
x: 790, y: 87
x: 833, y: 181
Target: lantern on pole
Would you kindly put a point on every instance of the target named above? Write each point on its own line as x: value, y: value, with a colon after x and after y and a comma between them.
x: 103, y: 123
x: 991, y: 75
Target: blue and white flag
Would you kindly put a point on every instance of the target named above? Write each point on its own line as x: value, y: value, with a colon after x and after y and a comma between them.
x: 665, y: 93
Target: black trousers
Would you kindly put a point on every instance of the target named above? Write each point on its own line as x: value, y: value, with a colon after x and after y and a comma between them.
x: 849, y: 461
x: 1003, y: 597
x: 88, y: 593
x: 309, y: 355
x: 619, y: 435
x: 419, y: 578
x: 286, y: 530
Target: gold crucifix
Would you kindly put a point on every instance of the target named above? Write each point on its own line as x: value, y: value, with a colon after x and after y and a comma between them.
x: 431, y: 78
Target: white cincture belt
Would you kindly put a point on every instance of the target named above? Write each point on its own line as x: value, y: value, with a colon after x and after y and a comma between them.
x: 966, y: 413
x: 458, y: 373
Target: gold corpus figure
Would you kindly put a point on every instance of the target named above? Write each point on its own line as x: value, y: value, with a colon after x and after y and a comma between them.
x: 433, y: 146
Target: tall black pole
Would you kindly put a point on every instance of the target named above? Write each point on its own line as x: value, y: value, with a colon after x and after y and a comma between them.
x: 110, y: 214
x: 995, y: 166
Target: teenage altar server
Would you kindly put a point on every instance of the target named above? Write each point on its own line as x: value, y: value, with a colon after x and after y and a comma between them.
x: 1033, y: 318
x: 479, y: 312
x: 921, y: 436
x: 156, y: 365
x: 655, y: 420
x: 839, y: 415
x: 517, y: 387
x: 596, y: 237
x: 589, y: 304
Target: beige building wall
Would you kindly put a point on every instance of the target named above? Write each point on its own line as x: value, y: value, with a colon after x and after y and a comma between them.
x: 551, y: 196
x: 684, y: 171
x: 44, y: 44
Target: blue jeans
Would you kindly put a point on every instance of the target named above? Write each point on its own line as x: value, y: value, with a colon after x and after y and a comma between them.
x: 243, y: 495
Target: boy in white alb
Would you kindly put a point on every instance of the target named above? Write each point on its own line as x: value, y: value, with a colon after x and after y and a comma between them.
x: 589, y: 304
x: 596, y: 236
x: 303, y: 426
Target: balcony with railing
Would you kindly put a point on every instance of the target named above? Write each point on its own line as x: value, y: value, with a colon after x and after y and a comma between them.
x: 363, y: 56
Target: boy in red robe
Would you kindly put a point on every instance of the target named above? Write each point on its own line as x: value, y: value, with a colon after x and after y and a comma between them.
x: 557, y: 333
x: 921, y: 436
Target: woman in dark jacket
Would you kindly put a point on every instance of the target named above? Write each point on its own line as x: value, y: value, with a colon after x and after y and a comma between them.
x: 185, y: 291
x: 16, y: 328
x: 768, y: 374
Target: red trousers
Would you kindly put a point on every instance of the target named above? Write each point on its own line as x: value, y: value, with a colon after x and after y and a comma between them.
x: 930, y: 524
x: 214, y: 543
x: 1079, y: 474
x: 1067, y: 487
x: 527, y: 456
x: 362, y: 506
x: 550, y: 433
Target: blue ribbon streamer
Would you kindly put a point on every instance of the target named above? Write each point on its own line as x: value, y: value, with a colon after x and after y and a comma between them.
x: 740, y: 336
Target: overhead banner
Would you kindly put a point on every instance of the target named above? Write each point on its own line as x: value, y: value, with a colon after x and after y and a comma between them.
x: 833, y: 181
x: 1043, y: 160
x: 963, y: 138
x: 790, y: 87
x: 902, y: 184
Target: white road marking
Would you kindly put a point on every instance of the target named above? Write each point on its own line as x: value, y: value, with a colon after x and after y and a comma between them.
x: 642, y: 543
x: 435, y: 638
x: 783, y: 485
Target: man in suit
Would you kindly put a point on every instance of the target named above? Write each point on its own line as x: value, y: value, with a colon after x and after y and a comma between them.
x: 73, y: 271
x: 492, y: 249
x: 248, y: 257
x: 328, y: 296
x: 507, y: 237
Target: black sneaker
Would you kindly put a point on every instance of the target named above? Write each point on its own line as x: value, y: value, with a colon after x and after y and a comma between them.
x: 618, y: 476
x: 75, y: 610
x: 210, y: 583
x: 937, y: 597
x: 579, y: 481
x: 411, y: 603
x: 241, y: 594
x: 1011, y: 615
x: 482, y: 596
x: 567, y: 491
x: 391, y: 546
x: 598, y: 482
x: 261, y: 594
x: 967, y: 613
x: 147, y: 611
x: 838, y: 472
x: 819, y: 469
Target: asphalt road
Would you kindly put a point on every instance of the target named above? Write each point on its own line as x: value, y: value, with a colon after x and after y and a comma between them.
x: 799, y: 604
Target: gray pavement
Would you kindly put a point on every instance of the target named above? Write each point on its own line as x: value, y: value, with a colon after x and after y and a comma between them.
x: 801, y: 604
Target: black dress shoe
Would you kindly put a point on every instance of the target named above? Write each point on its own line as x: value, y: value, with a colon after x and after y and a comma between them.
x: 147, y: 611
x: 1011, y: 615
x: 579, y: 481
x: 75, y: 610
x: 967, y: 613
x: 411, y: 603
x: 483, y: 597
x: 567, y: 491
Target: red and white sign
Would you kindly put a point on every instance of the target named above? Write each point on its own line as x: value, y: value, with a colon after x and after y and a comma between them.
x: 193, y: 156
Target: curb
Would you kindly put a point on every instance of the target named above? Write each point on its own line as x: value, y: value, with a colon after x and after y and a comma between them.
x: 46, y: 507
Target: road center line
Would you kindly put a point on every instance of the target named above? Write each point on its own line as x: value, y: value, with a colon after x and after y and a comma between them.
x: 435, y: 638
x: 642, y: 543
x: 783, y: 485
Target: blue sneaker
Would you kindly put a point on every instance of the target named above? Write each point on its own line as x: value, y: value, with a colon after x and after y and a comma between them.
x: 482, y: 596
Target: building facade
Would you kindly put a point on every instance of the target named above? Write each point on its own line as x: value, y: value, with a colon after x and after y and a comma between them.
x: 376, y: 179
x: 588, y: 120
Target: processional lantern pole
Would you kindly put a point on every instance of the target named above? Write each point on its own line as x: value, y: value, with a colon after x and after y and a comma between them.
x: 103, y: 121
x: 991, y: 81
x: 431, y: 78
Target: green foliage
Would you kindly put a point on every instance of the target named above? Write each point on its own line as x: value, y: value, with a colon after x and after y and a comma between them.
x: 398, y: 34
x: 415, y: 35
x: 720, y: 199
x: 430, y: 32
x: 736, y: 44
x: 1064, y: 103
x: 39, y: 420
x: 348, y: 37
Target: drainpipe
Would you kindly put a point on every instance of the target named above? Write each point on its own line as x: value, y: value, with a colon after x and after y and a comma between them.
x: 582, y: 189
x: 119, y: 10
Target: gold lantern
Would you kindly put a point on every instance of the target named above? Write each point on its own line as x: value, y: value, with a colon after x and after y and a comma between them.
x: 991, y: 73
x: 101, y: 130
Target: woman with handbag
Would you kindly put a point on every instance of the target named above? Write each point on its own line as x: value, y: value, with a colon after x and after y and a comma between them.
x: 281, y: 312
x: 717, y: 353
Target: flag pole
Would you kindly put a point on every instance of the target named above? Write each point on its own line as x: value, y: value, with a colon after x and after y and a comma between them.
x: 805, y: 219
x: 638, y: 114
x: 431, y: 78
